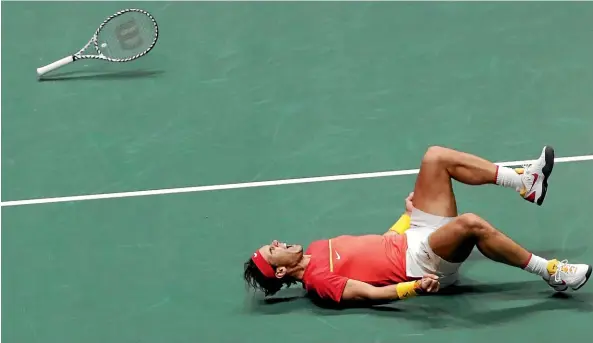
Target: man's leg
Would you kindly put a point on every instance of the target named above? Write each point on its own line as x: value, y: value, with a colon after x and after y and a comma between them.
x: 454, y: 242
x: 433, y: 192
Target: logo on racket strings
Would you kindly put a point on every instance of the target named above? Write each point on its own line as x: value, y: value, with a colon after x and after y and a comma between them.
x: 128, y: 35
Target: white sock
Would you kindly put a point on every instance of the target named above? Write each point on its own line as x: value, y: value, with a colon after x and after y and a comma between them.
x: 508, y: 177
x: 538, y: 266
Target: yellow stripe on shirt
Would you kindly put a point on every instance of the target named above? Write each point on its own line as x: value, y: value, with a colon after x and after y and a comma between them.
x: 331, y: 257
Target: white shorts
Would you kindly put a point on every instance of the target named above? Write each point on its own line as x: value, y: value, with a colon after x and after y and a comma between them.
x: 420, y: 259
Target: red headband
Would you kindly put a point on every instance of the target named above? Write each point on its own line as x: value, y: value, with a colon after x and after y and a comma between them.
x: 263, y: 265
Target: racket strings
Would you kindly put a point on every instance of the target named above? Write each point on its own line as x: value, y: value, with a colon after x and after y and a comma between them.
x: 126, y: 36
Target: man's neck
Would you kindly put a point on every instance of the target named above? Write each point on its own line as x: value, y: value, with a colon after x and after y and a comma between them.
x: 299, y: 270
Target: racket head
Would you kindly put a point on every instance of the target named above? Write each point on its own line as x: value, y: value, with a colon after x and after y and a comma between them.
x: 126, y: 35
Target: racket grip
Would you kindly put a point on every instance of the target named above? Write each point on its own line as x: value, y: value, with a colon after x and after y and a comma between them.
x: 55, y: 65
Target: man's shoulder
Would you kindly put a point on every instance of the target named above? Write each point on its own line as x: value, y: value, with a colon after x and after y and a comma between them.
x: 318, y: 265
x: 320, y: 280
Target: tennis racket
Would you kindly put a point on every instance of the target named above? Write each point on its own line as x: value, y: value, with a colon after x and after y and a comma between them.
x: 123, y: 37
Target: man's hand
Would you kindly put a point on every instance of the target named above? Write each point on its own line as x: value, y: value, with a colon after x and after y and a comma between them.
x: 430, y: 283
x: 409, y: 205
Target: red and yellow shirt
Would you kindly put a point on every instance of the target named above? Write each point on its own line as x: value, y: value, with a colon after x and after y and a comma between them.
x: 374, y: 259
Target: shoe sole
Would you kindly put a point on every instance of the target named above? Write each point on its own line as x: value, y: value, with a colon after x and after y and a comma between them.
x: 586, y: 278
x: 547, y: 170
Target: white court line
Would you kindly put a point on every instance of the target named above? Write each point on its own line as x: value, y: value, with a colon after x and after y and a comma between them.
x: 254, y: 184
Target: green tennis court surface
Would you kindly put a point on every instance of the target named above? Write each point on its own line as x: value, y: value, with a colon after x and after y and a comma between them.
x: 242, y: 92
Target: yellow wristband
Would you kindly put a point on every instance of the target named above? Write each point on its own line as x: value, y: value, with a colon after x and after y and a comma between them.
x: 407, y: 289
x: 402, y: 224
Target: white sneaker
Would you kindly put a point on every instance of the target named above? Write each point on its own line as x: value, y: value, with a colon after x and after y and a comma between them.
x: 535, y: 177
x: 564, y: 275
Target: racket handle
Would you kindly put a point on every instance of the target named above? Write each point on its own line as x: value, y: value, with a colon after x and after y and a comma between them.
x: 55, y: 65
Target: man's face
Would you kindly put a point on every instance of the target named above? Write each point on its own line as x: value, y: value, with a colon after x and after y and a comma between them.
x: 282, y: 255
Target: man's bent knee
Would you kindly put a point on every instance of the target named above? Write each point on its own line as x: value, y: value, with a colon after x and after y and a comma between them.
x: 435, y: 154
x: 472, y: 223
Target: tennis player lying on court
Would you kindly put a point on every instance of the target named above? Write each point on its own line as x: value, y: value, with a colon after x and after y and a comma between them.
x: 423, y: 251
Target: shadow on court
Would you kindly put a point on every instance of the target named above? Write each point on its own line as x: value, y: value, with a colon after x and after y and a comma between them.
x: 111, y: 75
x: 467, y: 304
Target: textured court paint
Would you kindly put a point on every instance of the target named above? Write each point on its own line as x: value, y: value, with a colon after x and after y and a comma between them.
x: 247, y: 92
x: 273, y: 91
x: 158, y: 269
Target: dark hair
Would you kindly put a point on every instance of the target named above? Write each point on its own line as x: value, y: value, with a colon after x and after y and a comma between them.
x: 270, y: 286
